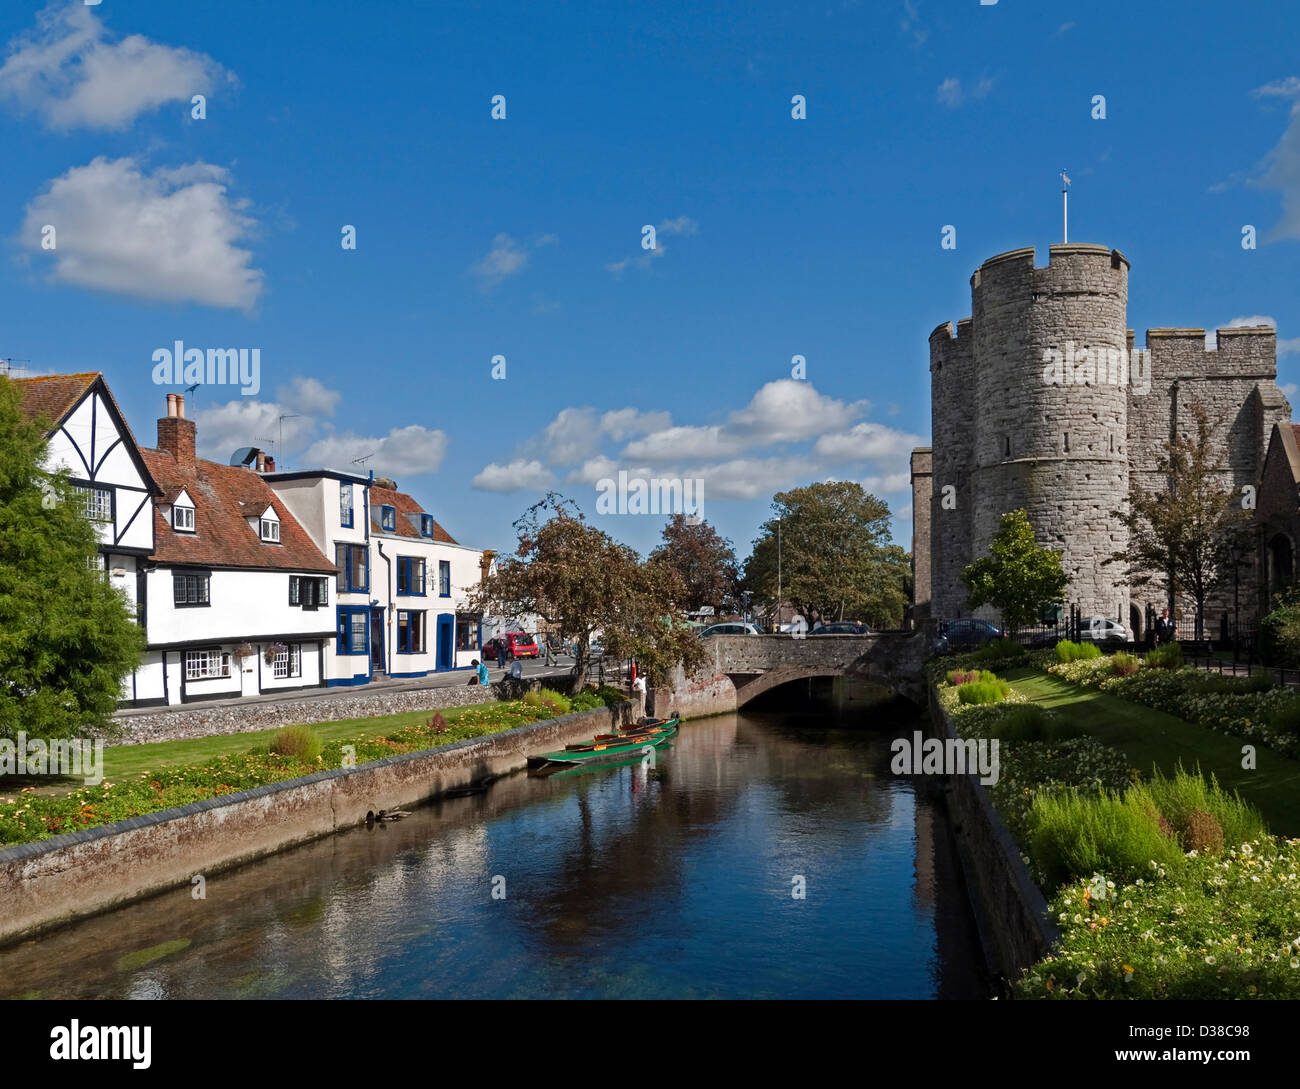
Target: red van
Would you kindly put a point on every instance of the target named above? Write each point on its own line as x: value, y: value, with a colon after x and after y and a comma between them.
x: 519, y: 643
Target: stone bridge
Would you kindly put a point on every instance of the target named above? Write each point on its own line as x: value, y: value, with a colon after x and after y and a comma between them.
x: 744, y: 666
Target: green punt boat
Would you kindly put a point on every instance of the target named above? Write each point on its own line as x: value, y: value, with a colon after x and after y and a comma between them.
x: 598, y: 751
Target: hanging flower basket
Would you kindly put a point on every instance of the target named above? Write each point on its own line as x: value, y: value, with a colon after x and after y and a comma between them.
x: 244, y: 650
x: 272, y: 651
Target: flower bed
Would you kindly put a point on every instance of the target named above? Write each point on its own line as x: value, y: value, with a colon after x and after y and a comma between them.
x: 28, y: 816
x: 1213, y: 923
x: 1227, y: 927
x: 1183, y: 692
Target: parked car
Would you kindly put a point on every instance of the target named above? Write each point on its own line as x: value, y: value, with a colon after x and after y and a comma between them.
x: 518, y: 643
x: 730, y: 628
x: 964, y: 634
x: 1104, y: 631
x: 841, y: 627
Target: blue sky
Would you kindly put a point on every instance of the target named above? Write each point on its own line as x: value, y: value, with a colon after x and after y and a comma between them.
x: 522, y: 237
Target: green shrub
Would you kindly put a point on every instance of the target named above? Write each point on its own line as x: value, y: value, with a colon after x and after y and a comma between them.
x: 612, y: 696
x: 991, y: 690
x: 555, y: 703
x: 1181, y: 798
x: 1170, y: 656
x: 1124, y: 664
x: 298, y: 741
x: 1019, y: 722
x: 1030, y: 722
x: 586, y: 700
x: 1076, y: 836
x: 1067, y: 651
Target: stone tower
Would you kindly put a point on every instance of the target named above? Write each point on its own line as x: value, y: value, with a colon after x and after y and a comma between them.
x: 1030, y: 410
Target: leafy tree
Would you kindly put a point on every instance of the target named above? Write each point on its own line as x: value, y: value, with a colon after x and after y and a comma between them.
x: 705, y: 561
x: 581, y: 580
x: 67, y: 638
x: 1017, y: 578
x: 836, y: 562
x: 1181, y: 534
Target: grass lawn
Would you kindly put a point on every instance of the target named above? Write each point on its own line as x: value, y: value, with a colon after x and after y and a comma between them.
x: 1148, y: 737
x: 127, y: 761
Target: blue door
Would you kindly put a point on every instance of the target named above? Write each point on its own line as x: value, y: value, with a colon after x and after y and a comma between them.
x: 446, y: 641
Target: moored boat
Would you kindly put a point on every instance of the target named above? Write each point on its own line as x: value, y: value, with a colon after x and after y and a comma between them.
x: 609, y: 748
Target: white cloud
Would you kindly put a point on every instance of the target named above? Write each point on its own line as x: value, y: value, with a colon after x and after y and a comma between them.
x: 1280, y: 88
x: 404, y: 451
x: 304, y: 402
x: 225, y: 428
x: 788, y: 410
x: 624, y: 422
x: 1289, y: 390
x: 866, y: 442
x: 888, y: 483
x: 1282, y: 164
x: 70, y: 72
x: 503, y: 260
x: 683, y: 225
x: 911, y: 24
x: 576, y: 433
x: 512, y: 477
x: 952, y: 94
x: 1287, y: 347
x: 749, y: 478
x: 309, y: 396
x: 170, y: 236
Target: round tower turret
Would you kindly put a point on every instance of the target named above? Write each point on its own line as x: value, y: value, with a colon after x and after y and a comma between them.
x: 1051, y: 410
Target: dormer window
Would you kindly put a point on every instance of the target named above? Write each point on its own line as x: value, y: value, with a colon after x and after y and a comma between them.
x: 388, y: 518
x: 426, y: 525
x: 269, y: 526
x: 183, y: 519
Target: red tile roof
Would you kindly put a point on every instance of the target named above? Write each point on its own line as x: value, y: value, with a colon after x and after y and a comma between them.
x: 225, y: 496
x: 404, y: 504
x: 52, y: 395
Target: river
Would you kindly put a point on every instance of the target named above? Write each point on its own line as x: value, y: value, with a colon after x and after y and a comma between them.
x: 767, y: 854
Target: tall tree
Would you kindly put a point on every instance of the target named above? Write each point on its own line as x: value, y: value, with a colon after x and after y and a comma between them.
x: 67, y: 637
x: 1182, y: 532
x: 1017, y: 578
x: 581, y: 580
x: 830, y: 542
x: 705, y: 562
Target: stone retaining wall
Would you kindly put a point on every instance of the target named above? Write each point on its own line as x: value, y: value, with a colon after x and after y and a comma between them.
x: 57, y: 880
x: 1010, y: 909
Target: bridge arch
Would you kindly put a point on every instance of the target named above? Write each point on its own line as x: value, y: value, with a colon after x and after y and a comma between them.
x: 755, y: 664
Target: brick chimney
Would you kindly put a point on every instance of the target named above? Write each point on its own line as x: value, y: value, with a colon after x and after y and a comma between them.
x: 175, y: 432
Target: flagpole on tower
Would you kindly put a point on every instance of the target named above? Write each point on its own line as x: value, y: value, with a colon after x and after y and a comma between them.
x: 1065, y: 207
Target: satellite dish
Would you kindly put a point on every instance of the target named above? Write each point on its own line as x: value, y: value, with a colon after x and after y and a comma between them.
x: 243, y: 455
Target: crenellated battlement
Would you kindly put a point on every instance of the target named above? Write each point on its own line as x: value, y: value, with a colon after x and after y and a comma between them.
x: 1021, y: 417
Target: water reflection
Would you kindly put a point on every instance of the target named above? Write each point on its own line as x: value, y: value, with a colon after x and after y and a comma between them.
x: 671, y: 881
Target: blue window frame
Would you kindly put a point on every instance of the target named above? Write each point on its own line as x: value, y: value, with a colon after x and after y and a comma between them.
x: 354, y: 571
x: 410, y: 632
x: 354, y: 631
x: 410, y: 575
x: 345, y: 505
x: 444, y: 578
x: 388, y: 518
x: 426, y: 525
